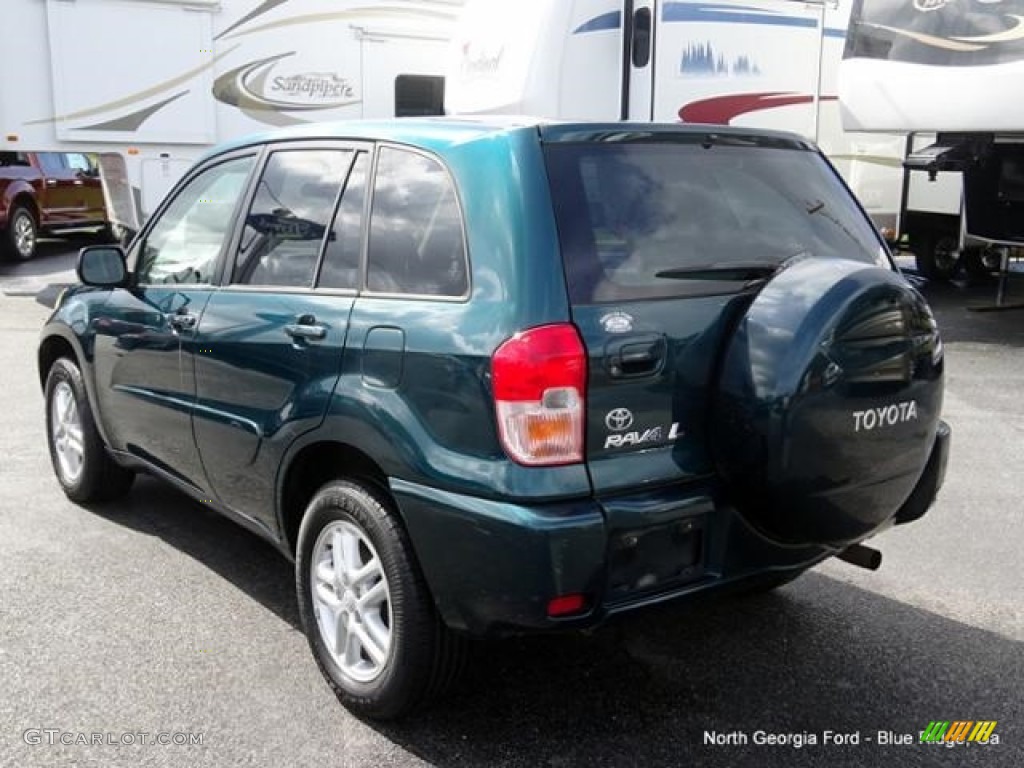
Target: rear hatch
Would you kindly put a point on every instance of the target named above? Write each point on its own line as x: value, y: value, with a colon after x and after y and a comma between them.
x: 667, y: 235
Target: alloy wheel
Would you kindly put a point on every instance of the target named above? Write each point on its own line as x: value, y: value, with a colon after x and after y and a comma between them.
x: 351, y: 601
x: 66, y: 431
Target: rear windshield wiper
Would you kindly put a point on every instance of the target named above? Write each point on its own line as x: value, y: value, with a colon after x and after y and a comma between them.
x: 738, y: 273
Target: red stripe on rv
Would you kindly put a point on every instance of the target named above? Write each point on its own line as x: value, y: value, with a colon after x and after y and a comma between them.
x: 723, y: 109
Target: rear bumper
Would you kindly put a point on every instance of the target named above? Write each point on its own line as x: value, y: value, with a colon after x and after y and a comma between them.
x: 493, y: 566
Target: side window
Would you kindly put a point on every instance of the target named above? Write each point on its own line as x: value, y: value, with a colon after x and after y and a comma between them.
x: 51, y: 163
x: 416, y: 244
x: 76, y: 161
x: 290, y: 212
x: 344, y: 242
x: 184, y: 243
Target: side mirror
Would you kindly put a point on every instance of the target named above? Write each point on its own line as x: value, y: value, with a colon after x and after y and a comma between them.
x: 102, y: 266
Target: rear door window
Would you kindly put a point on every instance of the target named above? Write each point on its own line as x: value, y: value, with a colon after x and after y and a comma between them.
x: 667, y: 219
x: 416, y: 245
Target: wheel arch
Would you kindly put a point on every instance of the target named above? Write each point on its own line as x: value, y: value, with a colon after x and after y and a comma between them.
x: 58, y: 342
x: 308, y: 469
x: 51, y: 348
x: 20, y: 196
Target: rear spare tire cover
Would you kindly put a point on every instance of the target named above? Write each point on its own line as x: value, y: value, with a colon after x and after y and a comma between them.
x: 828, y: 402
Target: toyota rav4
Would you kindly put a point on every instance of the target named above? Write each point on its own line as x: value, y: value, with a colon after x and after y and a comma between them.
x: 499, y: 376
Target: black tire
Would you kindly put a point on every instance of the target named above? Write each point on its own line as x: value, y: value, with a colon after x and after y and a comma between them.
x: 98, y: 477
x: 105, y: 234
x: 936, y: 255
x: 423, y: 657
x: 980, y: 263
x: 22, y: 235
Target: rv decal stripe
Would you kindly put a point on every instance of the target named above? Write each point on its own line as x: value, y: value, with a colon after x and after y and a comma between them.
x: 935, y: 42
x: 1006, y: 36
x: 364, y: 13
x: 132, y: 121
x: 723, y: 109
x: 600, y: 23
x: 732, y: 14
x: 138, y: 96
x: 268, y: 5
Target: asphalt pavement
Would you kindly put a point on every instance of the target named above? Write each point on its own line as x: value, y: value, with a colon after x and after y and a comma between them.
x: 155, y: 616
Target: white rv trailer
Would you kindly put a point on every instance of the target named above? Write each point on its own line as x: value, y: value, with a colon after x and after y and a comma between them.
x: 757, y: 63
x: 150, y: 84
x: 954, y: 68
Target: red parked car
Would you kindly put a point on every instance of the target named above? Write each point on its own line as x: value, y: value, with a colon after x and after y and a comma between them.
x: 47, y: 192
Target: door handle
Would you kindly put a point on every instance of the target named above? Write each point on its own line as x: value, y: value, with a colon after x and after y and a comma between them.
x: 306, y: 329
x: 636, y: 357
x: 51, y: 182
x: 78, y: 182
x: 182, y: 321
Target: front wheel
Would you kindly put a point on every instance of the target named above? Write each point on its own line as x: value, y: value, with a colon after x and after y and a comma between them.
x: 22, y: 234
x: 84, y: 469
x: 365, y: 608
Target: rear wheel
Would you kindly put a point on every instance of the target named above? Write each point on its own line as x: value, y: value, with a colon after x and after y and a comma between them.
x: 22, y: 233
x: 366, y: 610
x: 937, y: 255
x: 84, y: 469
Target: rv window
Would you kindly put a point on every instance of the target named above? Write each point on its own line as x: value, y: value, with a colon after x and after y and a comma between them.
x: 418, y: 96
x: 642, y: 38
x: 288, y: 218
x: 659, y: 220
x: 1011, y: 179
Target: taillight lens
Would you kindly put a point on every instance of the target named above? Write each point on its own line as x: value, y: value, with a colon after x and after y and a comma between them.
x: 539, y: 379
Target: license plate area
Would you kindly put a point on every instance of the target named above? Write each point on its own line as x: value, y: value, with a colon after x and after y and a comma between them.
x: 655, y: 557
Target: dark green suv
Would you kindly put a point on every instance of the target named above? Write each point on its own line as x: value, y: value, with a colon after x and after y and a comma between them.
x: 500, y: 376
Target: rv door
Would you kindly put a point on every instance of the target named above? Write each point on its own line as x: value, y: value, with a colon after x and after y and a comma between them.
x: 638, y: 60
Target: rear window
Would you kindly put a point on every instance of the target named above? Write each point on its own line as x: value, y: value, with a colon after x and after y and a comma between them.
x: 663, y: 220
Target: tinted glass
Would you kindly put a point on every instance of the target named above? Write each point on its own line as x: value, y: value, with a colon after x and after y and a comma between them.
x: 51, y: 163
x: 288, y: 218
x: 655, y: 220
x: 939, y: 33
x: 78, y: 162
x: 187, y: 238
x: 416, y: 243
x: 417, y: 95
x: 344, y: 244
x: 642, y: 38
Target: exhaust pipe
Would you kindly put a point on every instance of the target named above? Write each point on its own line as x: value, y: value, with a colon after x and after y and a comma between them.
x: 865, y: 557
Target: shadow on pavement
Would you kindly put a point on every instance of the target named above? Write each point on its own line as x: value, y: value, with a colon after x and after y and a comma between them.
x: 53, y: 256
x: 955, y: 302
x: 816, y: 655
x: 253, y: 565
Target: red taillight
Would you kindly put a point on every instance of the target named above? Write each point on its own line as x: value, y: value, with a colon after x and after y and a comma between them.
x: 566, y: 605
x: 539, y: 379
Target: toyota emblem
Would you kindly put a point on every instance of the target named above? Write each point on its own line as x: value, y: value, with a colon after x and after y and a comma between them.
x: 619, y: 419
